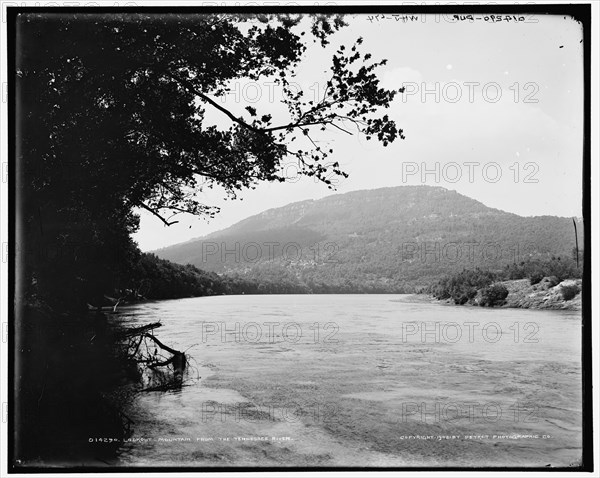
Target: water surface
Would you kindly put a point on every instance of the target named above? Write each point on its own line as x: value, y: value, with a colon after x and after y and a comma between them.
x: 361, y: 380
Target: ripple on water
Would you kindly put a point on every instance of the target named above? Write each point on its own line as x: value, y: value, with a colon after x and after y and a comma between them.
x: 362, y: 382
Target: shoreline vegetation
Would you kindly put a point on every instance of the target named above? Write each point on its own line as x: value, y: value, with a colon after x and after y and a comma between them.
x: 566, y: 295
x: 77, y: 373
x: 538, y: 284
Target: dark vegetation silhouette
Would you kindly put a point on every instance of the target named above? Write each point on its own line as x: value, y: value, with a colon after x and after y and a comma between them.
x: 570, y: 291
x: 111, y: 119
x: 493, y: 295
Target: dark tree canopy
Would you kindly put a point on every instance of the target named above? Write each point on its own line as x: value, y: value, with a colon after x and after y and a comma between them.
x: 111, y: 112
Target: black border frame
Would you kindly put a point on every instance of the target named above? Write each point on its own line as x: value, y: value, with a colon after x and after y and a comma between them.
x: 580, y: 12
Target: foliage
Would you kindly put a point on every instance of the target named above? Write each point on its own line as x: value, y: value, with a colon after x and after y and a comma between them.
x: 463, y: 286
x: 553, y: 281
x: 162, y: 279
x: 569, y: 291
x: 493, y: 295
x: 536, y: 277
x: 560, y: 267
x: 390, y: 239
x: 112, y: 117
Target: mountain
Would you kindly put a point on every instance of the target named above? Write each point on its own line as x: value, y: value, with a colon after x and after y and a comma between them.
x: 382, y: 240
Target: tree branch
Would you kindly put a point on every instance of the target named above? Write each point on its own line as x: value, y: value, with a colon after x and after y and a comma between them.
x: 161, y: 345
x: 189, y: 85
x: 341, y: 129
x: 165, y: 222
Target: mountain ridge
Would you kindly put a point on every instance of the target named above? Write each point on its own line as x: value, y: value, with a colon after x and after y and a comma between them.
x: 397, y: 237
x: 270, y: 210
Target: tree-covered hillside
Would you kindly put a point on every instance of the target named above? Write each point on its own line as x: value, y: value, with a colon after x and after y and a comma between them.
x: 383, y: 240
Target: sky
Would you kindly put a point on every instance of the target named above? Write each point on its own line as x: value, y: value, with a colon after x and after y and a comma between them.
x: 491, y: 110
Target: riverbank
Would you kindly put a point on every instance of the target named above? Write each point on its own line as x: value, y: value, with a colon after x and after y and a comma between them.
x: 546, y: 294
x: 67, y: 370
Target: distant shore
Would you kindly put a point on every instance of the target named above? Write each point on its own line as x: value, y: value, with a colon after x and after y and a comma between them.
x: 543, y: 295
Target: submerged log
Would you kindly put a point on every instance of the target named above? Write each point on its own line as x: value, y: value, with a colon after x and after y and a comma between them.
x: 132, y: 331
x: 178, y: 359
x: 136, y: 342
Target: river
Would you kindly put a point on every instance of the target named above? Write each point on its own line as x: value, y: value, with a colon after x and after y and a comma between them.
x: 360, y: 381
